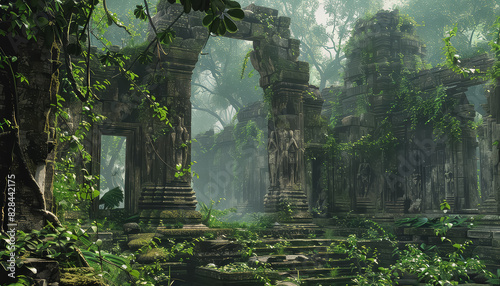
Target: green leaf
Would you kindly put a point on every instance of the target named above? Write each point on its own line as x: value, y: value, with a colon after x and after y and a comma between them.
x: 42, y: 21
x: 232, y: 4
x: 214, y: 26
x: 140, y: 13
x: 208, y: 19
x: 95, y: 194
x: 112, y: 198
x: 230, y: 25
x: 187, y: 6
x: 135, y: 273
x: 236, y: 14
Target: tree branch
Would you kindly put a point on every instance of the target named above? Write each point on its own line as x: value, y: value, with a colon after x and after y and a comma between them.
x: 211, y: 112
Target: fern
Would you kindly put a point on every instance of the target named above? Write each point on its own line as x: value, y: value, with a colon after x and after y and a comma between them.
x: 112, y: 198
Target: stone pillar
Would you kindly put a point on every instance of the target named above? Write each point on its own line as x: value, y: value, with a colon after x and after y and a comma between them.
x: 285, y: 82
x: 166, y: 191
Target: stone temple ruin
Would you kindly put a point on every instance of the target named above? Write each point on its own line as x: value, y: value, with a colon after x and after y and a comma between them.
x: 413, y: 177
x: 347, y: 148
x: 421, y: 170
x: 152, y: 187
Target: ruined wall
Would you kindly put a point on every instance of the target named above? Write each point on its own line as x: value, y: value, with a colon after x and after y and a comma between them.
x: 489, y: 138
x: 410, y: 170
x: 161, y: 183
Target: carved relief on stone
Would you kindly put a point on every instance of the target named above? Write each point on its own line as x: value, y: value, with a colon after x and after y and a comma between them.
x: 150, y: 154
x: 180, y: 139
x: 283, y: 158
x: 448, y: 176
x: 272, y: 149
x: 292, y: 152
x: 364, y: 179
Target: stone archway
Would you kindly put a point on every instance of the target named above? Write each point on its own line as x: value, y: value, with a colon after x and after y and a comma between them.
x: 284, y: 80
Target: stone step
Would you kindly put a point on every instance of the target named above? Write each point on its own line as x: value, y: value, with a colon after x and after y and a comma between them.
x: 331, y: 281
x: 302, y: 241
x: 291, y: 249
x: 322, y: 272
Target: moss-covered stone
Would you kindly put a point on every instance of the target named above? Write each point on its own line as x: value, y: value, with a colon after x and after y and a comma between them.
x: 152, y: 255
x: 138, y: 240
x: 82, y: 276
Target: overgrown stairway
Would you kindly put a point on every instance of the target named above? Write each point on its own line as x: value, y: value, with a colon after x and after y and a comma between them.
x: 309, y: 260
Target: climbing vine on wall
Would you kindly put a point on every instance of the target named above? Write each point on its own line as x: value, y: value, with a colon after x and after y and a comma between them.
x: 245, y: 134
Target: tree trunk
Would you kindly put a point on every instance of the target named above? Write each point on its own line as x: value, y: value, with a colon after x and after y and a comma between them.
x: 27, y: 150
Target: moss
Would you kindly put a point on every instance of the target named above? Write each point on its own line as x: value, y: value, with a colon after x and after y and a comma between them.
x: 79, y: 277
x: 152, y: 255
x: 140, y: 239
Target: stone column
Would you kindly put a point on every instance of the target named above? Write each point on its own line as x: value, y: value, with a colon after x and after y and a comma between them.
x: 166, y: 192
x: 285, y: 82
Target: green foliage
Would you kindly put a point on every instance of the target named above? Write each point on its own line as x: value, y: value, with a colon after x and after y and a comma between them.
x: 215, y: 218
x: 262, y: 271
x: 440, y: 225
x: 472, y: 20
x: 495, y: 278
x: 112, y: 198
x: 74, y: 186
x: 248, y: 133
x: 245, y: 63
x: 495, y: 47
x: 279, y: 247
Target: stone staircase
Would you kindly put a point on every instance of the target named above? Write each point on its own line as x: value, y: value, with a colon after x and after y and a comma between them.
x: 295, y: 259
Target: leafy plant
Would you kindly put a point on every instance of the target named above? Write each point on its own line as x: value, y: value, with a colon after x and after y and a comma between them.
x: 112, y: 198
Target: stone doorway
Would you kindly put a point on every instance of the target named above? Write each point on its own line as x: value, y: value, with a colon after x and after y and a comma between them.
x: 113, y: 174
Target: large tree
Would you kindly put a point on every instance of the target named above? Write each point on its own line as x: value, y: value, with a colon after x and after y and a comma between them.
x: 472, y: 18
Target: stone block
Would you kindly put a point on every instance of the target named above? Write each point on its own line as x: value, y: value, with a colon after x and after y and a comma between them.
x: 243, y: 28
x: 495, y: 234
x: 367, y: 119
x: 195, y: 20
x: 279, y: 41
x: 136, y: 241
x: 495, y: 242
x: 131, y: 228
x: 303, y: 67
x: 257, y: 31
x: 282, y: 53
x: 293, y: 55
x: 479, y: 234
x: 191, y: 44
x: 353, y: 120
x: 152, y: 255
x: 199, y: 32
x: 263, y: 11
x: 284, y: 22
x: 294, y: 76
x: 481, y: 241
x: 250, y: 16
x: 284, y: 32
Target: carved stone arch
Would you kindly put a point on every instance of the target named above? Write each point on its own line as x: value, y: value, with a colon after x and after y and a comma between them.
x: 275, y: 57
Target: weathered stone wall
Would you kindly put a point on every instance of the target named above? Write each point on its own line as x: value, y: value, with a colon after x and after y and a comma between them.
x: 489, y: 138
x: 165, y: 152
x: 418, y: 172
